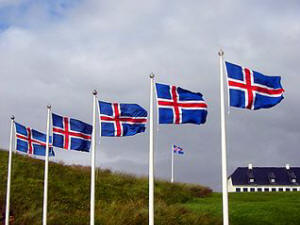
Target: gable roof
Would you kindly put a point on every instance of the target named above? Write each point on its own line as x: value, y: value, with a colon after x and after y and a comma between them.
x: 263, y: 176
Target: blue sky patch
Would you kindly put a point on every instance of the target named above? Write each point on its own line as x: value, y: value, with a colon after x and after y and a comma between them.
x: 28, y: 12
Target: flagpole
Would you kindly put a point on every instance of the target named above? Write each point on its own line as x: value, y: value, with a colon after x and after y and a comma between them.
x: 223, y: 143
x: 93, y: 156
x: 12, y: 118
x: 45, y: 204
x: 172, y: 178
x: 151, y: 155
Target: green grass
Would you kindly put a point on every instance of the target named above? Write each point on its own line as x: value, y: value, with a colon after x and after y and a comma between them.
x: 122, y: 199
x: 281, y: 208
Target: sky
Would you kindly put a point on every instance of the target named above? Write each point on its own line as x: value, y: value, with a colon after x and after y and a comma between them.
x: 56, y: 52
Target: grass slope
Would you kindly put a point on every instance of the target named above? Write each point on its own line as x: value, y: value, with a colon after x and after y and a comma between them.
x: 122, y: 199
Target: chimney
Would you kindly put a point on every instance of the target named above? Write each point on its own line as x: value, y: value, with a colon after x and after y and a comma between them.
x: 250, y: 166
x: 287, y: 166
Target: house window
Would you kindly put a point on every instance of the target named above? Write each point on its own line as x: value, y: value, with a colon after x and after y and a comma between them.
x: 266, y: 190
x: 280, y: 189
x: 273, y: 189
x: 259, y: 189
x: 251, y: 176
x: 292, y: 176
x: 294, y: 189
x: 287, y: 189
x: 252, y: 189
x: 238, y: 190
x: 245, y: 189
x: 272, y: 180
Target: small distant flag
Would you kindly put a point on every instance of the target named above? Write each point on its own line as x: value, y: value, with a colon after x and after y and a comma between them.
x: 119, y: 120
x: 31, y: 141
x: 178, y: 150
x: 71, y: 134
x: 252, y: 90
x: 177, y: 105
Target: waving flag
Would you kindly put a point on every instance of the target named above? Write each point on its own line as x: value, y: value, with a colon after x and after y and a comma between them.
x: 71, y: 134
x: 252, y: 90
x: 31, y: 141
x: 177, y: 150
x: 121, y: 119
x: 177, y: 105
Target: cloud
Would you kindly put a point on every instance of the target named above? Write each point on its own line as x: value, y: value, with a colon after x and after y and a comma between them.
x: 4, y: 3
x: 59, y: 52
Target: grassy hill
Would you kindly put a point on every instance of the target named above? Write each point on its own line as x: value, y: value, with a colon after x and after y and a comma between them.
x: 123, y: 199
x: 120, y: 199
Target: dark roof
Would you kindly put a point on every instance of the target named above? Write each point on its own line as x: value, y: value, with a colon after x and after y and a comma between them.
x: 263, y: 176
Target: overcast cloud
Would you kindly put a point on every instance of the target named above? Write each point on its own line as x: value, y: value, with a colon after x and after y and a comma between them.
x: 57, y: 52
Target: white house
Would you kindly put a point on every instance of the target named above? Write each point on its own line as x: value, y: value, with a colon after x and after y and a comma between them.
x: 264, y: 179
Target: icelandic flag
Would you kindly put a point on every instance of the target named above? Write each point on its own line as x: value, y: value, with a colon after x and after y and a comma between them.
x: 177, y: 105
x: 177, y: 150
x: 252, y: 90
x: 121, y: 119
x: 31, y: 141
x: 71, y: 134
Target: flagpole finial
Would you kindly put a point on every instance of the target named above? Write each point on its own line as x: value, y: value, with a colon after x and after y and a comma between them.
x: 221, y: 52
x: 12, y: 117
x: 95, y: 92
x: 49, y: 106
x: 151, y: 75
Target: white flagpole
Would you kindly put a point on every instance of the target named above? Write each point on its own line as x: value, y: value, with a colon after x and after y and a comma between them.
x: 9, y: 170
x: 45, y: 205
x: 172, y: 178
x: 151, y: 155
x: 223, y: 143
x: 93, y: 156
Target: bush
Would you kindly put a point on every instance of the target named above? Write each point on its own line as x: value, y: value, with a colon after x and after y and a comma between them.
x: 199, y: 191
